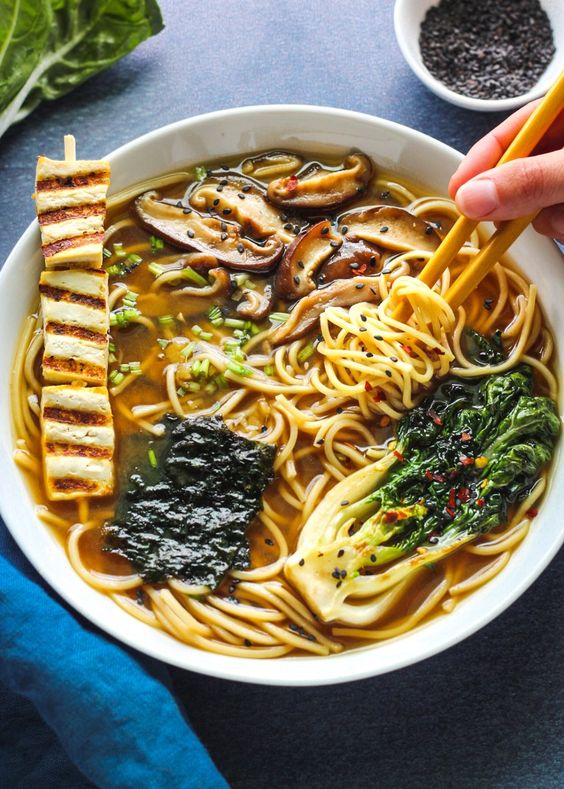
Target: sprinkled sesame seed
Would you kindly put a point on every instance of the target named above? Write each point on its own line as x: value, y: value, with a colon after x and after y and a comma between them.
x: 384, y: 229
x: 246, y: 188
x: 369, y: 354
x: 429, y: 230
x: 344, y: 230
x: 190, y: 233
x: 372, y: 557
x: 287, y: 226
x: 341, y: 552
x: 359, y: 285
x: 389, y: 373
x: 240, y: 248
x: 187, y: 210
x: 363, y: 318
x: 344, y: 503
x: 334, y: 244
x: 226, y: 211
x: 216, y: 201
x: 301, y: 562
x: 301, y: 264
x: 296, y: 279
x: 268, y: 541
x: 241, y: 196
x: 324, y: 231
x: 223, y: 236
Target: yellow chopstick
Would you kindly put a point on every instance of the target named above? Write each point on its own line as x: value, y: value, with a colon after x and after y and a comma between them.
x: 529, y: 136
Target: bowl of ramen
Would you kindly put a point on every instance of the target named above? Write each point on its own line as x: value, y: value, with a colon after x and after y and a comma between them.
x: 227, y: 441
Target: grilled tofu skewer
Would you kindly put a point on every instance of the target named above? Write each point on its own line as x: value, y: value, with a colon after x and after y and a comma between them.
x: 70, y: 198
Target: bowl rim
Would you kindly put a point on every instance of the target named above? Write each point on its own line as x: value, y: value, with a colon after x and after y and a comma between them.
x: 291, y: 671
x: 401, y: 10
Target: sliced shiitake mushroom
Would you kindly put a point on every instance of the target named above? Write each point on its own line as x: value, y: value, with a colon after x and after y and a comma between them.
x: 294, y: 277
x: 353, y: 257
x: 340, y: 293
x: 185, y: 228
x: 317, y: 188
x: 390, y: 227
x: 272, y: 164
x: 241, y: 200
x: 257, y: 305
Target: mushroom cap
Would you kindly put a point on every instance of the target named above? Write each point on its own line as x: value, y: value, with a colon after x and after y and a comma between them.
x: 294, y: 276
x: 390, y: 227
x: 317, y: 188
x: 186, y: 228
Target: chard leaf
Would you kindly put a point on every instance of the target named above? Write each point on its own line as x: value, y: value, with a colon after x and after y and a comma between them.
x: 48, y: 47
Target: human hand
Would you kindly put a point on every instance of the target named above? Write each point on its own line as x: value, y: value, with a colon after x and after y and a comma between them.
x: 519, y: 187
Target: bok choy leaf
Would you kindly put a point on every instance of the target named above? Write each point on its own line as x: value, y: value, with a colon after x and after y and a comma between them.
x: 48, y: 47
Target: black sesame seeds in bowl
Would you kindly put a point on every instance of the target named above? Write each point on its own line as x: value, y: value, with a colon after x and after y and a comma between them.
x: 488, y: 55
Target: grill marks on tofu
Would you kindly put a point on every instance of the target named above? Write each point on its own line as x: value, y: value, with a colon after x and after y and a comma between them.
x: 70, y: 199
x: 75, y: 326
x: 78, y: 442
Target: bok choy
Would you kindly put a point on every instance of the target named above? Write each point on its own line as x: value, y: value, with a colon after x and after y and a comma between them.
x: 48, y: 47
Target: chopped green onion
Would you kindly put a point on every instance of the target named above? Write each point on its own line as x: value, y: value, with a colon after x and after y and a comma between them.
x: 181, y: 391
x: 194, y: 386
x: 156, y: 243
x: 119, y: 251
x: 155, y: 269
x: 201, y: 173
x: 189, y: 273
x: 269, y: 369
x: 112, y: 346
x: 152, y: 457
x: 195, y: 369
x: 134, y: 258
x: 116, y: 377
x: 215, y: 316
x: 237, y: 295
x: 215, y: 407
x: 239, y: 369
x: 205, y: 368
x: 122, y: 317
x: 114, y: 271
x: 187, y: 351
x: 210, y: 388
x: 234, y: 323
x: 278, y: 317
x: 134, y: 365
x: 221, y: 381
x: 112, y: 358
x: 254, y: 329
x: 199, y: 332
x: 165, y: 320
x: 240, y: 279
x: 307, y: 351
x: 163, y: 343
x: 124, y: 368
x: 106, y: 253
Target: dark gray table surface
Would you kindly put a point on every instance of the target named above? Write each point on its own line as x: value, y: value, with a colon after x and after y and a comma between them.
x: 486, y: 713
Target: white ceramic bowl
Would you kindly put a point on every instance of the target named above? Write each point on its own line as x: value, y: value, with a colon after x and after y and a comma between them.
x: 408, y: 16
x: 235, y: 132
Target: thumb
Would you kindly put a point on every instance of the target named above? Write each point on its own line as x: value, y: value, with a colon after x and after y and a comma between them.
x: 514, y: 189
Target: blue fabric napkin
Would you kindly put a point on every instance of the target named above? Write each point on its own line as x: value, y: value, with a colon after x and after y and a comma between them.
x: 111, y: 709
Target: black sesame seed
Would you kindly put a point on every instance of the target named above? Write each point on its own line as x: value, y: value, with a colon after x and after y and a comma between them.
x: 219, y: 189
x: 223, y: 226
x: 488, y: 304
x: 339, y: 410
x: 240, y: 248
x: 393, y: 359
x: 301, y: 264
x: 385, y: 195
x: 341, y: 553
x: 359, y: 285
x: 320, y: 442
x: 324, y: 231
x: 378, y: 337
x: 371, y: 289
x: 216, y: 201
x: 429, y: 230
x: 296, y: 279
x: 363, y: 318
x: 343, y: 573
x: 344, y: 503
x: 226, y: 211
x: 344, y: 230
x: 223, y: 236
x: 223, y: 182
x: 384, y: 229
x: 180, y: 204
x: 372, y: 557
x: 241, y: 196
x: 296, y: 229
x: 389, y: 373
x: 301, y: 562
x: 246, y: 188
x: 372, y: 260
x: 224, y: 167
x: 268, y: 541
x: 190, y: 233
x: 334, y: 244
x: 287, y: 226
x: 187, y: 210
x: 363, y: 328
x: 247, y: 642
x: 369, y: 354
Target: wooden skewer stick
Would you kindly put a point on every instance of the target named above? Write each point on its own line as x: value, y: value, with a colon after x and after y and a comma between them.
x: 529, y: 136
x: 70, y: 148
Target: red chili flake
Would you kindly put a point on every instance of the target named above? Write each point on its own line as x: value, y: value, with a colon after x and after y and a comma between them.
x: 390, y: 517
x: 360, y: 269
x: 399, y: 456
x: 380, y: 395
x: 466, y: 461
x: 451, y: 499
x: 532, y: 512
x: 466, y: 436
x: 435, y: 417
x: 429, y: 475
x: 438, y: 477
x: 408, y: 349
x: 463, y: 495
x: 292, y: 183
x: 481, y: 502
x: 450, y: 512
x: 367, y: 386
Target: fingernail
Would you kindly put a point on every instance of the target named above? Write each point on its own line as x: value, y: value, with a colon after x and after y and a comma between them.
x: 478, y: 198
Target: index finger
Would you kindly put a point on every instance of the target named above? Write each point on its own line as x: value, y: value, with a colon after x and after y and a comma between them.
x: 486, y: 153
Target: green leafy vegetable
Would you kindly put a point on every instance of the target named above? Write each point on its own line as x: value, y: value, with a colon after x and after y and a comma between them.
x: 48, y: 47
x: 187, y: 500
x: 464, y: 456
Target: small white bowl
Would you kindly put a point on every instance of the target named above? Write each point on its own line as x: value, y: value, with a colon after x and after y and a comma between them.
x: 408, y: 16
x: 236, y: 132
